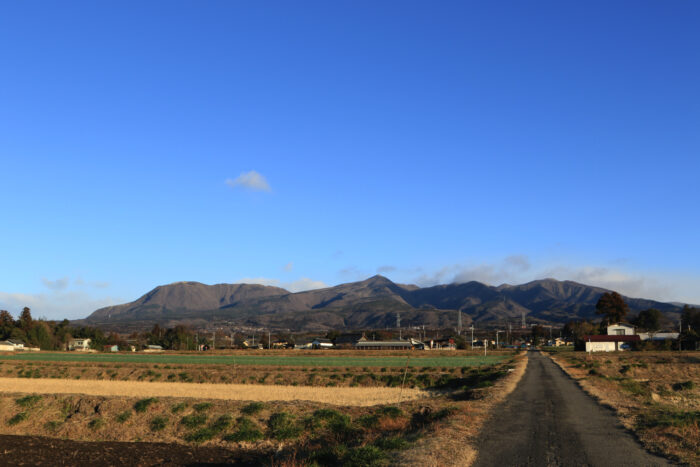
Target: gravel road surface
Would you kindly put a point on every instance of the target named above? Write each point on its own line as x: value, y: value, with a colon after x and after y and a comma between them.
x: 549, y: 421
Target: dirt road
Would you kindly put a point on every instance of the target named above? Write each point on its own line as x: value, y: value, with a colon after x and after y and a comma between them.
x: 549, y: 421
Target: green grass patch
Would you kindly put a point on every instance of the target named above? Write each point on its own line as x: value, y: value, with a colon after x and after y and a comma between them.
x: 282, y: 425
x: 96, y: 423
x: 193, y: 420
x: 28, y: 401
x: 158, y: 423
x: 18, y: 418
x: 143, y: 404
x: 202, y: 406
x: 252, y: 408
x: 123, y: 416
x: 246, y: 430
x: 177, y: 408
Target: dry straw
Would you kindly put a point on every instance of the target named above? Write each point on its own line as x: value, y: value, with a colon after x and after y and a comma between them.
x: 357, y: 396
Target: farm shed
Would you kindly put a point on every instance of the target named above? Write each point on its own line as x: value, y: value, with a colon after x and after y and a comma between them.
x: 390, y: 345
x: 322, y: 343
x: 6, y: 346
x: 605, y: 343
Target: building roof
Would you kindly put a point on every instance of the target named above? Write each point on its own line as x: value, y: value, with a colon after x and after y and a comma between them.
x: 612, y: 338
x: 322, y: 340
x: 627, y: 325
x: 388, y: 343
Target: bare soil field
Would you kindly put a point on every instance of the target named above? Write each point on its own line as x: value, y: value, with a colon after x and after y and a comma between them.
x: 655, y: 394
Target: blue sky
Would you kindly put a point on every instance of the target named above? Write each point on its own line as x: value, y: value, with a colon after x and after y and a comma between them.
x: 309, y: 143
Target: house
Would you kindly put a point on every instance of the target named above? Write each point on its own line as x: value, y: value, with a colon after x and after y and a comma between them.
x: 609, y: 343
x: 81, y: 344
x: 620, y: 329
x: 18, y: 344
x: 322, y: 343
x: 110, y: 348
x: 389, y: 345
x: 304, y: 344
x: 443, y: 344
x: 6, y: 346
x: 280, y: 345
x: 153, y: 349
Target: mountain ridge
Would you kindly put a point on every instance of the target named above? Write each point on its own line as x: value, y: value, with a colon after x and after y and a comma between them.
x: 371, y: 303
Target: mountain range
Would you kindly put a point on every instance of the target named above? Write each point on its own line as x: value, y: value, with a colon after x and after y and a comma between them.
x: 372, y: 303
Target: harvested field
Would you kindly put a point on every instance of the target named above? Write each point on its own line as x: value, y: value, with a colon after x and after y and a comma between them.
x: 272, y: 358
x: 333, y: 395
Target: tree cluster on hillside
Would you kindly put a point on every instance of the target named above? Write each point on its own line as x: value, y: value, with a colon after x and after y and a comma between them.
x: 44, y: 334
x: 177, y: 338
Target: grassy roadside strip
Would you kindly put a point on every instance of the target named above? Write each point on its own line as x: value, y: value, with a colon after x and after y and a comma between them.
x: 451, y: 443
x: 665, y: 421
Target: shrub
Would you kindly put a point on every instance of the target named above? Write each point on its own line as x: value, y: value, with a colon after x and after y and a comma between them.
x: 252, y: 408
x: 124, y: 416
x: 158, y: 423
x: 282, y: 426
x: 330, y: 455
x: 668, y: 418
x: 194, y: 420
x: 683, y: 386
x: 247, y: 431
x: 368, y: 421
x: 28, y: 401
x: 53, y: 425
x: 390, y: 411
x: 20, y: 417
x: 221, y: 423
x: 326, y: 414
x: 143, y: 404
x: 177, y: 408
x: 202, y: 406
x: 365, y: 456
x: 96, y: 423
x: 391, y: 444
x: 201, y: 435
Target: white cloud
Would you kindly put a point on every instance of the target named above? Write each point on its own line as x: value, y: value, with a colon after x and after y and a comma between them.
x: 517, y: 269
x: 299, y: 285
x: 386, y: 269
x: 249, y: 180
x: 288, y: 267
x: 56, y: 305
x: 58, y: 284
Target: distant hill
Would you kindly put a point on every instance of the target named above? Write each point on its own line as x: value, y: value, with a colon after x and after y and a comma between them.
x: 372, y: 303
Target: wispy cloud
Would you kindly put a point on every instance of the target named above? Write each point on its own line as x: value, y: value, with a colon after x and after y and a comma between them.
x: 56, y: 305
x: 518, y: 269
x: 288, y: 267
x: 58, y: 284
x: 299, y: 285
x: 252, y: 180
x: 386, y: 269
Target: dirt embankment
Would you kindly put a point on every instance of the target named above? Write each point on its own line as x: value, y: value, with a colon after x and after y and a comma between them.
x: 453, y: 443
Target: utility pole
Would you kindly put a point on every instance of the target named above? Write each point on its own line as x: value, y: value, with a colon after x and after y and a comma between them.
x: 269, y: 340
x: 472, y: 328
x: 398, y: 323
x: 497, y: 338
x: 459, y: 322
x: 213, y: 341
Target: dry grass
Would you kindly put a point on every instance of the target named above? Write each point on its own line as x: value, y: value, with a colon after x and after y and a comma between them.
x: 452, y: 444
x: 655, y: 394
x: 358, y: 396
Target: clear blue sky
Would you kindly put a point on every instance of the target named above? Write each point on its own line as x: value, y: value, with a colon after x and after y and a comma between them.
x: 301, y: 143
